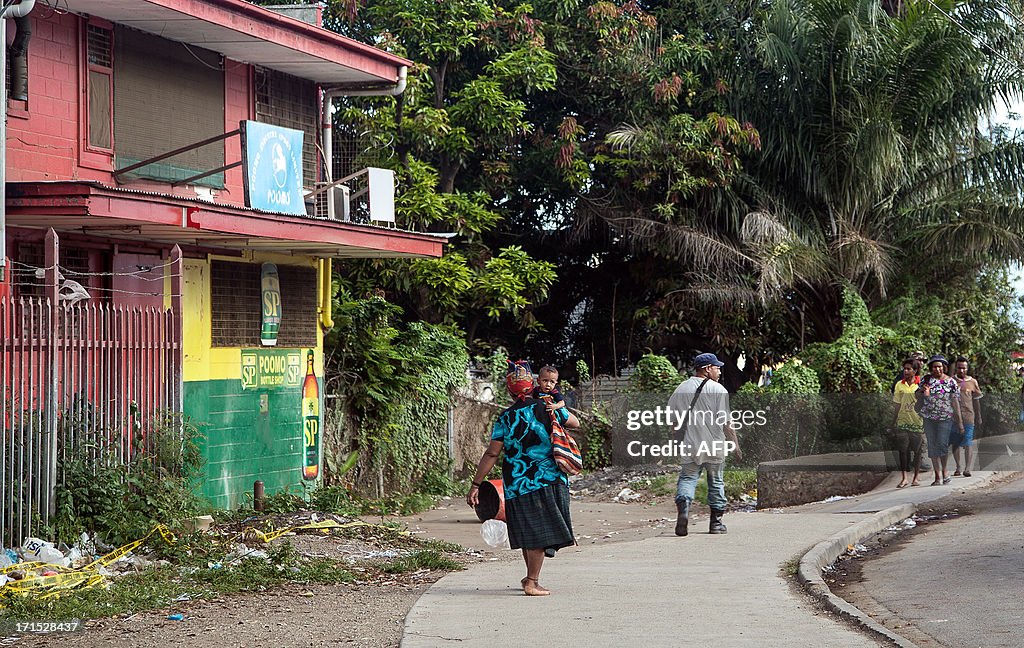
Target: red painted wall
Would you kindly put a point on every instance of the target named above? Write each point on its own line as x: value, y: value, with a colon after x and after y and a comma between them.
x: 239, y: 104
x: 43, y: 133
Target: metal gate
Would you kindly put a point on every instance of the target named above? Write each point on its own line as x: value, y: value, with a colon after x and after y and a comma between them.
x: 78, y: 378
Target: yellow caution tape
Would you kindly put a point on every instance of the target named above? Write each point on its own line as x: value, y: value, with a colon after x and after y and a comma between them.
x: 66, y: 579
x: 324, y: 525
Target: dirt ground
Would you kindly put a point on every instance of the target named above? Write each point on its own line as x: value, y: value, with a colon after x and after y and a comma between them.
x: 367, y: 614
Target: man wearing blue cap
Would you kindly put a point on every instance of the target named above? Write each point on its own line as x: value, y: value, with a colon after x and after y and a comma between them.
x: 704, y: 405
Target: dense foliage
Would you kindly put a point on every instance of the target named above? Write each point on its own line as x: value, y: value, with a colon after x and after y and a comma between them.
x: 675, y: 177
x: 123, y: 501
x: 396, y: 381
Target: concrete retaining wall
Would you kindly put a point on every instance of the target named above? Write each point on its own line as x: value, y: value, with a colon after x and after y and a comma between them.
x: 786, y: 487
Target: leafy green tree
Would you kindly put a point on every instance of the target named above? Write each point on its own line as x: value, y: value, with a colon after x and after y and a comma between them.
x: 869, y: 168
x: 962, y: 315
x: 637, y: 128
x: 451, y: 137
x: 873, y: 165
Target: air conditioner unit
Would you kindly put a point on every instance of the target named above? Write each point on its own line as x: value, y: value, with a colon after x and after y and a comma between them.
x: 341, y: 197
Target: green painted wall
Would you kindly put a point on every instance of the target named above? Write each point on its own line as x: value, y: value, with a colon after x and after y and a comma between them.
x: 243, y: 445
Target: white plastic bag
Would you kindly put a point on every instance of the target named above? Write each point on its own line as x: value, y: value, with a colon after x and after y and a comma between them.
x: 494, y: 533
x: 32, y: 549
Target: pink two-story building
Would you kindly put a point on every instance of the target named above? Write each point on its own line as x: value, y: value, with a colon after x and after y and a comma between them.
x: 137, y: 282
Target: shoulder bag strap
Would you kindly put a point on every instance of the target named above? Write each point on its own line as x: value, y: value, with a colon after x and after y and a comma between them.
x: 694, y: 402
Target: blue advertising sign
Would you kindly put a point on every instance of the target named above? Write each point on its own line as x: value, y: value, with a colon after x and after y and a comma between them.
x: 272, y: 168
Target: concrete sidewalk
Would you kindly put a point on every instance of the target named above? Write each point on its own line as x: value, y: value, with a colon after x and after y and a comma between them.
x: 706, y: 590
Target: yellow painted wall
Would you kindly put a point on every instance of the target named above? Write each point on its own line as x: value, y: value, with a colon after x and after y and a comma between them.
x: 202, y: 361
x: 248, y: 435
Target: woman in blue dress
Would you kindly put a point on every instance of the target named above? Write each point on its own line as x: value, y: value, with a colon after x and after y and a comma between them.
x: 536, y: 491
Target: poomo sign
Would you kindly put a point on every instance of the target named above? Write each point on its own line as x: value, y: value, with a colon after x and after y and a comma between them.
x: 272, y: 165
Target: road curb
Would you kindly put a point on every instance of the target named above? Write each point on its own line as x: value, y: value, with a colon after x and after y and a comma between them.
x: 825, y: 553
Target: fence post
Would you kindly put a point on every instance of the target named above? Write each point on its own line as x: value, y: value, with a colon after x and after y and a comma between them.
x: 52, y: 310
x: 177, y: 335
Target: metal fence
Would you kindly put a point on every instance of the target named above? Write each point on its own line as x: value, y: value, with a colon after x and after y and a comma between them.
x: 86, y: 378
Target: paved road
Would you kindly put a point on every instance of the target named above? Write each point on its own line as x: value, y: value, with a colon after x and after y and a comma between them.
x: 959, y: 581
x: 1003, y: 453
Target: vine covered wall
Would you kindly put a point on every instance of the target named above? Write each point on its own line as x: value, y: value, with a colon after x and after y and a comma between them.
x: 393, y: 385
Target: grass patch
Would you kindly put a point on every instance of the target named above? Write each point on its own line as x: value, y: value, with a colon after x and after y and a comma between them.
x: 425, y: 559
x: 323, y: 571
x: 153, y: 588
x: 157, y: 587
x: 737, y: 482
x: 661, y: 485
x: 791, y: 567
x: 333, y: 499
x: 442, y: 546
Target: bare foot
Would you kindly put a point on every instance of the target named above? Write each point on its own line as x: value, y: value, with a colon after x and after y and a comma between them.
x: 902, y: 484
x: 532, y: 588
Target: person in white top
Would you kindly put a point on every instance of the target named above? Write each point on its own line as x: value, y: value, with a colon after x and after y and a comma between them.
x: 710, y: 436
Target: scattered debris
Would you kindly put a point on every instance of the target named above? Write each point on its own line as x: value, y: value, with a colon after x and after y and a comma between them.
x: 931, y: 518
x: 36, y: 550
x: 855, y: 549
x: 627, y: 495
x: 908, y: 523
x: 607, y: 484
x: 836, y: 498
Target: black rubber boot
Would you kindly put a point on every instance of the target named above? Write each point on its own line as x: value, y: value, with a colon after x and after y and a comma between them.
x: 683, y: 520
x: 716, y: 525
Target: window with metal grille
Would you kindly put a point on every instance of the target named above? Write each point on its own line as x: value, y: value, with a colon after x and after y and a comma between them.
x: 168, y: 95
x: 74, y: 261
x: 89, y: 267
x: 100, y: 80
x: 27, y: 282
x: 291, y: 102
x: 100, y: 46
x: 236, y: 305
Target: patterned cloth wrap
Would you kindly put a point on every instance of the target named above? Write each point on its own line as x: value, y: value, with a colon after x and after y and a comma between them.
x: 563, y: 447
x: 519, y: 379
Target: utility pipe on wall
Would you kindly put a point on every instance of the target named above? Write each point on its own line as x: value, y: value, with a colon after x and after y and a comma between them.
x: 328, y: 149
x: 19, y: 10
x: 330, y: 93
x: 326, y: 295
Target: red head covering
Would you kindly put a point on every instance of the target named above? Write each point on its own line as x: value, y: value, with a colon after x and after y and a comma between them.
x: 519, y: 379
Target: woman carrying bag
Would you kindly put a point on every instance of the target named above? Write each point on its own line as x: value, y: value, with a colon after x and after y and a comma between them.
x: 536, y: 491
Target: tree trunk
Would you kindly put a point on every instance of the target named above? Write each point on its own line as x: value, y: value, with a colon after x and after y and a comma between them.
x: 447, y: 171
x: 437, y: 74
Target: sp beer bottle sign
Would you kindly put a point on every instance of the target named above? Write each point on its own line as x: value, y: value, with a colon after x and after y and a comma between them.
x: 311, y: 421
x: 271, y: 291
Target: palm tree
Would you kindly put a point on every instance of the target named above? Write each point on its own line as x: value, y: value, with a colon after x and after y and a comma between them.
x: 872, y: 157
